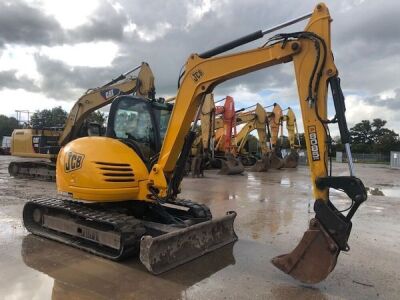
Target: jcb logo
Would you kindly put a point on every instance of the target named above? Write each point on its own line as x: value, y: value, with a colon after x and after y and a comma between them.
x: 73, y: 161
x: 312, y: 134
x: 196, y: 75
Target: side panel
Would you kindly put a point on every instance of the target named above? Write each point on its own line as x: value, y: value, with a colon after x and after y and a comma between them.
x: 100, y: 169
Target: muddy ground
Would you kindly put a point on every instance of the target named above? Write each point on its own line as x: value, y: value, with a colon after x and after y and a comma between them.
x: 273, y: 211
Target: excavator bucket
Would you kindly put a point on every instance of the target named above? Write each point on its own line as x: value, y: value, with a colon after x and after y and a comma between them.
x: 276, y: 161
x: 262, y: 165
x: 291, y: 160
x: 313, y: 258
x: 231, y: 166
x: 167, y: 251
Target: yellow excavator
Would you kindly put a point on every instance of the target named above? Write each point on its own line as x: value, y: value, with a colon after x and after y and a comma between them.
x: 291, y: 160
x: 274, y: 123
x: 45, y: 143
x: 254, y: 120
x: 119, y: 192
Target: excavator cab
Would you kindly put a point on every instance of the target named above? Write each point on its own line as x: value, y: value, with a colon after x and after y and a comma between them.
x: 140, y: 124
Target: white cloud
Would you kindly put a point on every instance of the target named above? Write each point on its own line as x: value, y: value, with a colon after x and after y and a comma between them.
x: 12, y: 100
x: 95, y: 54
x: 20, y: 58
x: 357, y: 110
x: 148, y: 35
x: 196, y: 10
x: 70, y: 14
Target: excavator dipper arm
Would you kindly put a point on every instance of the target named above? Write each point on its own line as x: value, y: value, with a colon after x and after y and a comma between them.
x: 310, y: 50
x: 142, y: 85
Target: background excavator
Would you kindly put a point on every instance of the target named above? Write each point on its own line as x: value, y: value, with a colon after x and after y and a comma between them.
x: 124, y: 186
x: 274, y: 123
x: 45, y: 143
x: 253, y: 120
x: 214, y: 142
x: 291, y: 160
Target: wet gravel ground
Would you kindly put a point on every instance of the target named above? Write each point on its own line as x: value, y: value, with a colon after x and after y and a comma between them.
x: 273, y: 211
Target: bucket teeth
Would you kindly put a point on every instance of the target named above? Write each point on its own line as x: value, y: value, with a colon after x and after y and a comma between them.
x: 313, y: 258
x: 167, y: 251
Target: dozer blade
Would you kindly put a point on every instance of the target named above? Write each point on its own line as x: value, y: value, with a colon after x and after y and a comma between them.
x: 167, y: 251
x: 276, y: 161
x: 231, y: 167
x: 313, y: 258
x: 291, y: 160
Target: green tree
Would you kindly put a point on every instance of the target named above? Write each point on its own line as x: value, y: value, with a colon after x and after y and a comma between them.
x: 97, y: 117
x: 373, y: 137
x: 54, y: 117
x: 7, y: 125
x: 362, y: 133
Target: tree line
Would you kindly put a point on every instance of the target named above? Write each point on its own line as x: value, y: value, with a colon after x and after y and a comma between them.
x: 366, y: 136
x: 46, y: 118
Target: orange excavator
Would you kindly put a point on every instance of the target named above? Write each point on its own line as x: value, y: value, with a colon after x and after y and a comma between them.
x: 215, y: 139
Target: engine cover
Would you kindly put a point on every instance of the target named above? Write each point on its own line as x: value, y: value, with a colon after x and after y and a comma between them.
x: 100, y: 169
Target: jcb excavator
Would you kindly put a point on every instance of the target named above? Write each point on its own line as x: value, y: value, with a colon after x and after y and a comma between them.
x: 214, y: 143
x: 291, y: 160
x: 120, y: 191
x: 253, y: 120
x: 45, y: 143
x: 274, y: 123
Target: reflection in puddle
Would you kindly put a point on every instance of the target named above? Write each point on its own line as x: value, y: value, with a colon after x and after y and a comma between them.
x: 81, y: 276
x: 285, y: 181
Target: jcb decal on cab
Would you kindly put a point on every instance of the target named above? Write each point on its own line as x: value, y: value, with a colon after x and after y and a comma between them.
x: 196, y: 75
x: 312, y: 135
x: 73, y: 161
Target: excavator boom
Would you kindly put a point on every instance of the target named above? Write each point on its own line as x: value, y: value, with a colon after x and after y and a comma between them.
x: 45, y: 143
x: 310, y: 51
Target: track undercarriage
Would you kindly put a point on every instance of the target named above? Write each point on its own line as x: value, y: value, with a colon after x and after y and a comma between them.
x: 164, y: 235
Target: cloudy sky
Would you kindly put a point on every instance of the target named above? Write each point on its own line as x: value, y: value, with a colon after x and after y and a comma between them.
x: 52, y: 51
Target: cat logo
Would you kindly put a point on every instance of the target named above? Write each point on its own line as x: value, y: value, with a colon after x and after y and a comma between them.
x: 73, y: 161
x: 109, y: 94
x: 312, y: 134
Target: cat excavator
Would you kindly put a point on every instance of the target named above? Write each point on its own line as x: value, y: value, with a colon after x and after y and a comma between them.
x: 45, y: 143
x: 119, y: 193
x: 291, y: 160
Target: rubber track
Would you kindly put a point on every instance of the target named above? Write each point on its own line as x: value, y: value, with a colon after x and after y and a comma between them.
x: 129, y: 228
x: 45, y: 166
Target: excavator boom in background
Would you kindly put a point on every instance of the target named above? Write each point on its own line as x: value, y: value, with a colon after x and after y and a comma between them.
x: 214, y: 142
x: 291, y: 160
x: 131, y: 178
x: 253, y: 120
x: 45, y: 143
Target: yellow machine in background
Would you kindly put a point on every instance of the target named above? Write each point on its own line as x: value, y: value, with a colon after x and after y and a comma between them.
x: 121, y: 191
x: 274, y: 123
x: 291, y: 160
x: 253, y: 120
x: 45, y: 143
